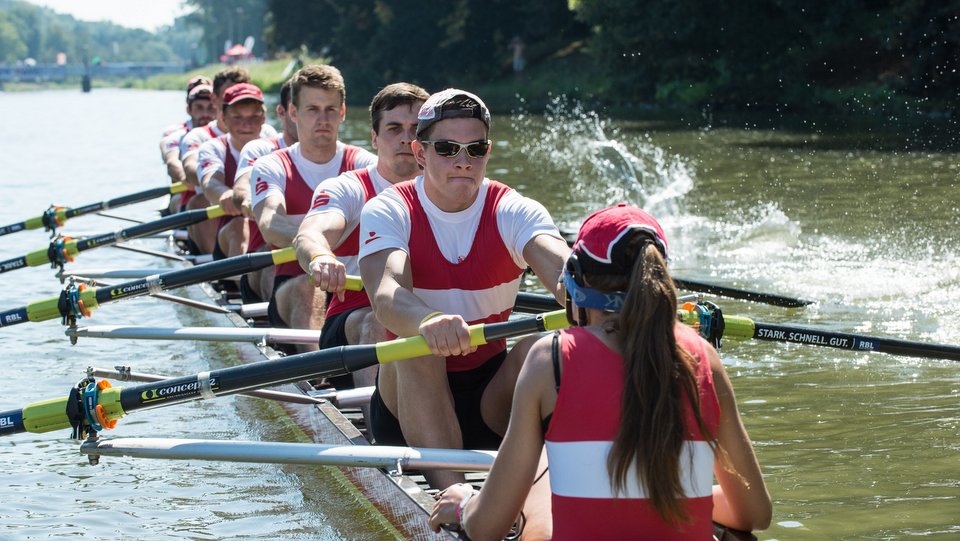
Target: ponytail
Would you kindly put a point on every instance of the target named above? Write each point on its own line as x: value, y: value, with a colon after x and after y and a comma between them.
x: 659, y: 376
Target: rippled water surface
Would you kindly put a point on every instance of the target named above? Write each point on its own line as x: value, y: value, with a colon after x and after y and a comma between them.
x: 853, y: 445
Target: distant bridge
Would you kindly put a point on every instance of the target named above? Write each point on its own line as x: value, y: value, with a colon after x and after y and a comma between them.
x: 10, y: 73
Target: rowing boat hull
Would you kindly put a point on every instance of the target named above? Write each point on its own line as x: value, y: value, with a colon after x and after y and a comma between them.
x: 401, y: 501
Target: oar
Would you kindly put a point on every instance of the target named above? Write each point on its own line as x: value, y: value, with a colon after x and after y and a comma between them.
x: 746, y: 328
x: 727, y: 291
x: 254, y: 335
x: 56, y: 216
x: 742, y: 294
x: 62, y: 250
x: 363, y: 456
x: 78, y: 302
x: 124, y: 373
x: 743, y: 327
x: 94, y: 405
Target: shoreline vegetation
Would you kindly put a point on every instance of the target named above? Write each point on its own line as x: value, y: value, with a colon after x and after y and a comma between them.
x: 547, y: 87
x: 625, y: 59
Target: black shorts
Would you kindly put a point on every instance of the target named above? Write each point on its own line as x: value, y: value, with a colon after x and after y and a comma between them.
x: 334, y: 334
x: 217, y: 252
x: 247, y: 294
x: 467, y: 388
x: 273, y: 315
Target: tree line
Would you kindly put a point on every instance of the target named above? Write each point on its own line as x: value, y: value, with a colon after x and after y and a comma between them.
x: 726, y: 54
x: 28, y: 31
x: 722, y: 54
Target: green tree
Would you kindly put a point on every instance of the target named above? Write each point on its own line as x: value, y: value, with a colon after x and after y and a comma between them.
x: 12, y: 47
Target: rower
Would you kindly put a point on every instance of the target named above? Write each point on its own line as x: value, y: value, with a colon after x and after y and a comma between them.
x: 327, y: 242
x: 438, y: 253
x: 253, y: 285
x: 204, y: 235
x: 284, y: 181
x: 243, y: 115
x: 201, y: 111
x: 635, y: 408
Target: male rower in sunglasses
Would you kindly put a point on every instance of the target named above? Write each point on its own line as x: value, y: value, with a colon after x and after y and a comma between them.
x: 439, y: 253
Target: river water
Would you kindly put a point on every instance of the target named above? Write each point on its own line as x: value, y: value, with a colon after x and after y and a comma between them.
x: 862, y: 220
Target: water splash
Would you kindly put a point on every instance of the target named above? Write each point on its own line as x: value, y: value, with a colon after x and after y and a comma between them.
x: 604, y: 165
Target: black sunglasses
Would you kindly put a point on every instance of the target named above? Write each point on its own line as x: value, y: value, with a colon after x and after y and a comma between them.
x: 450, y: 149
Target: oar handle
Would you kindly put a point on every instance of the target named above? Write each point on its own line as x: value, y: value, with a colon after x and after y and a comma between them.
x: 416, y: 346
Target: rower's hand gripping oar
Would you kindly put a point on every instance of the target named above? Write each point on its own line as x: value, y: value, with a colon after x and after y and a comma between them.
x: 63, y: 249
x: 94, y: 405
x: 56, y: 216
x: 76, y: 301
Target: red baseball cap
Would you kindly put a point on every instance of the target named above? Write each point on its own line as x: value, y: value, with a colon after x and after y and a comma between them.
x: 240, y: 92
x: 601, y: 235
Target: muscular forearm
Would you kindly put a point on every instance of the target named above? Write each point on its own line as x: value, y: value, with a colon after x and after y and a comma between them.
x: 190, y: 170
x: 278, y: 229
x: 214, y: 187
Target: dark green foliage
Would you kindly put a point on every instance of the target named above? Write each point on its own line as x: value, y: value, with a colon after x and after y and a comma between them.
x: 848, y: 54
x: 461, y: 43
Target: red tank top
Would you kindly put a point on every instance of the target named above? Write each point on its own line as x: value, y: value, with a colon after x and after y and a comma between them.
x: 229, y: 171
x: 350, y: 247
x: 481, y: 274
x: 298, y: 195
x: 582, y: 429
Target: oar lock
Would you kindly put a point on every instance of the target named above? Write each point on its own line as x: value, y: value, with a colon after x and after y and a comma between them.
x: 710, y: 323
x: 71, y: 307
x: 51, y: 219
x: 86, y: 414
x: 57, y: 252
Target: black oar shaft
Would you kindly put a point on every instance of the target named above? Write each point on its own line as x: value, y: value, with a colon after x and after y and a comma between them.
x: 53, y: 308
x: 115, y: 402
x: 70, y: 248
x: 64, y: 214
x: 737, y: 293
x: 215, y: 270
x: 851, y: 341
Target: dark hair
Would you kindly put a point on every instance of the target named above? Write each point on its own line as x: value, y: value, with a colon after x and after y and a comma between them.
x: 393, y: 96
x: 232, y: 75
x: 659, y: 377
x: 285, y: 93
x: 318, y: 76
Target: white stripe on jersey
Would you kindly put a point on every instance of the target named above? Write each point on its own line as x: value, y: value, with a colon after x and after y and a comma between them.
x: 472, y: 305
x: 584, y: 470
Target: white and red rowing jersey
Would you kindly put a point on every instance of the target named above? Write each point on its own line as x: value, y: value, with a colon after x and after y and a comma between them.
x: 220, y: 155
x: 184, y: 126
x: 467, y: 263
x: 248, y: 155
x: 287, y: 173
x: 213, y: 157
x: 194, y: 138
x: 582, y: 428
x: 345, y: 195
x: 190, y: 143
x: 257, y: 148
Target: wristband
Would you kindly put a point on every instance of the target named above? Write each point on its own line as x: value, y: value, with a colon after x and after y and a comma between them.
x: 321, y: 254
x: 430, y: 315
x: 463, y: 505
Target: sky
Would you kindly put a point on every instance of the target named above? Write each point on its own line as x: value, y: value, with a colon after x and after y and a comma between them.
x: 146, y: 14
